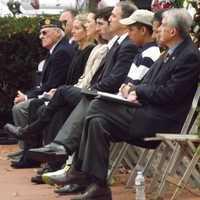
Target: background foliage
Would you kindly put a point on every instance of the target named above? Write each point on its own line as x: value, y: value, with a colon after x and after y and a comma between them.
x: 20, y: 52
x: 19, y: 56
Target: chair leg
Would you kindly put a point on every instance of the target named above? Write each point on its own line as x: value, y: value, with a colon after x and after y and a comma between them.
x: 150, y: 158
x: 134, y: 171
x: 187, y: 173
x: 118, y: 160
x: 114, y: 150
x: 171, y: 165
x: 157, y: 175
x: 132, y: 156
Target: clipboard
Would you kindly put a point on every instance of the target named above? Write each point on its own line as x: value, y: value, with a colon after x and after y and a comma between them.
x: 116, y: 98
x: 109, y: 97
x: 89, y: 93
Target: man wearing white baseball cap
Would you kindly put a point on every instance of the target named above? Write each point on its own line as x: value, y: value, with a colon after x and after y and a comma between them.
x: 140, y: 32
x: 141, y: 16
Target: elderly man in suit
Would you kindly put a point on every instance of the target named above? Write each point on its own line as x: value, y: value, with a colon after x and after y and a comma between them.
x: 54, y: 70
x: 166, y: 93
x: 66, y: 18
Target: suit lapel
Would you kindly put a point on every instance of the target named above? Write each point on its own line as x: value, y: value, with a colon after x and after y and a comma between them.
x: 48, y: 59
x: 110, y: 57
x: 105, y: 63
x: 153, y: 71
x: 45, y: 67
x: 177, y: 51
x: 162, y: 65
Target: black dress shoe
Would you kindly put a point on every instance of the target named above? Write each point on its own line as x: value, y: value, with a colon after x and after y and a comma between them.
x: 37, y: 179
x: 24, y: 162
x: 71, y: 177
x: 52, y: 148
x: 49, y: 153
x: 14, y: 131
x: 15, y: 154
x: 17, y: 158
x: 95, y: 192
x: 70, y: 189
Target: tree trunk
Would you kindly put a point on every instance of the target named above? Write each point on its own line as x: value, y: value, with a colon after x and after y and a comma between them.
x: 92, y: 5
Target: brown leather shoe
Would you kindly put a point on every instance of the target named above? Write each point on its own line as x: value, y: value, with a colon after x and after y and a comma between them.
x: 95, y: 192
x: 71, y: 177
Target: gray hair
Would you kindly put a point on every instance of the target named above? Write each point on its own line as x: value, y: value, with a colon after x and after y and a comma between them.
x: 61, y: 32
x: 180, y: 19
x: 127, y: 8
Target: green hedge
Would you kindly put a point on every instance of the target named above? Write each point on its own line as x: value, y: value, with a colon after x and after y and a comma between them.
x: 20, y: 53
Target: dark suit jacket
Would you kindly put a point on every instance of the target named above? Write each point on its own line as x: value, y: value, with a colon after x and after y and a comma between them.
x: 114, y: 67
x: 166, y: 92
x: 55, y: 68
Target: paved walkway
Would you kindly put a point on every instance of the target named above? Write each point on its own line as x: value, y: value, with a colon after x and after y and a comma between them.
x: 15, y: 184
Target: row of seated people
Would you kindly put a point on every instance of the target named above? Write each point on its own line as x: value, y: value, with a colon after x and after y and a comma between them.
x: 162, y: 87
x: 92, y: 65
x: 36, y: 126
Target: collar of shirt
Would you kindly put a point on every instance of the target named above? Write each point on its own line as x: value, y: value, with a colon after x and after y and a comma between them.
x: 53, y: 47
x: 171, y: 50
x: 122, y: 38
x: 112, y: 41
x: 71, y: 40
x: 146, y: 46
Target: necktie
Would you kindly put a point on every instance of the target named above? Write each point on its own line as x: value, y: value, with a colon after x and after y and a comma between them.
x: 165, y: 56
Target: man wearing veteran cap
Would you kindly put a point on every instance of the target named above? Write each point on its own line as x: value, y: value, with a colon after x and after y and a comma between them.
x: 54, y: 69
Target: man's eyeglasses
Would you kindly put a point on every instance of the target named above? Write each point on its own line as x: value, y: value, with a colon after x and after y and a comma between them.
x: 43, y: 33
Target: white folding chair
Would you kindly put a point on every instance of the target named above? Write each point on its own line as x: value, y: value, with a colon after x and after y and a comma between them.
x: 148, y: 155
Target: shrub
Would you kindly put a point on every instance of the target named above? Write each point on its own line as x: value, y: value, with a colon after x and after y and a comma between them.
x: 19, y: 56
